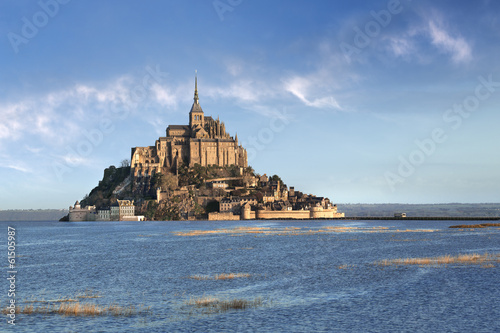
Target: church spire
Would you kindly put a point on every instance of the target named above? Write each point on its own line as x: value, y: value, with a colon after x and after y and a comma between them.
x: 196, y: 100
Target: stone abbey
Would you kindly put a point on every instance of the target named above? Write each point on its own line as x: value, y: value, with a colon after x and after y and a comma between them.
x: 225, y: 189
x: 204, y: 141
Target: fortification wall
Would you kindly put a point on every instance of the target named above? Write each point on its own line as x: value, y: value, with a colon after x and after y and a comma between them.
x: 214, y: 216
x: 247, y: 214
x: 282, y: 214
x: 80, y: 215
x: 321, y: 213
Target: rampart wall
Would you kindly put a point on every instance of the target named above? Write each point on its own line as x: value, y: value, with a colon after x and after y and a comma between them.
x: 214, y: 216
x: 281, y: 214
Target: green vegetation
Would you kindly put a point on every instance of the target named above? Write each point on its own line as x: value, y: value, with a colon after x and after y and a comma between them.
x: 166, y: 211
x: 212, y: 206
x: 276, y: 178
x: 166, y: 181
x: 180, y: 192
x: 198, y: 174
x: 102, y: 194
x: 150, y: 210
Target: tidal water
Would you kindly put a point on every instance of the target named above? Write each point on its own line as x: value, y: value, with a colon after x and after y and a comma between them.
x: 314, y: 276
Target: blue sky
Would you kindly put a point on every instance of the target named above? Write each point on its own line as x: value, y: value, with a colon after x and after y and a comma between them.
x: 360, y: 101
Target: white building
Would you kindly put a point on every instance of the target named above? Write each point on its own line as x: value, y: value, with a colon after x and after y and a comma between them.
x: 122, y: 209
x: 104, y: 214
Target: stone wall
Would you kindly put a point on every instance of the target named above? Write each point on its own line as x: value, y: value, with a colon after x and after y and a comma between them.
x: 246, y: 214
x: 282, y: 214
x: 222, y: 217
x: 321, y: 213
x: 79, y: 216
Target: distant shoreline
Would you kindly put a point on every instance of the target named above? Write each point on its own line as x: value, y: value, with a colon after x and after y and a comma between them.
x: 386, y: 218
x: 347, y: 218
x: 41, y: 215
x: 434, y: 218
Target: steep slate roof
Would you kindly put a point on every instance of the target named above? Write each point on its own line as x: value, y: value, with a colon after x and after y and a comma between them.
x: 196, y: 108
x: 196, y: 105
x: 175, y: 127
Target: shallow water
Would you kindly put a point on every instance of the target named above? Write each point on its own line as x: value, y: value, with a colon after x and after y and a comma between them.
x: 310, y: 275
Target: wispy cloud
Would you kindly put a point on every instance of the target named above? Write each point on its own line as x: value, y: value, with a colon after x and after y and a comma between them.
x: 33, y: 150
x: 60, y: 116
x: 74, y: 160
x: 10, y: 163
x: 164, y: 95
x: 270, y: 112
x: 457, y: 46
x: 17, y: 167
x: 234, y: 67
x: 420, y: 39
x: 401, y: 46
x: 302, y: 87
x: 245, y: 90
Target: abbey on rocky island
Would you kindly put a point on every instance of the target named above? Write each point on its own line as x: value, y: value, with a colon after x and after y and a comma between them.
x: 204, y: 141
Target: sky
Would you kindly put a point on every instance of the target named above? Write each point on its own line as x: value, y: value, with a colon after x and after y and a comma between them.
x: 359, y: 101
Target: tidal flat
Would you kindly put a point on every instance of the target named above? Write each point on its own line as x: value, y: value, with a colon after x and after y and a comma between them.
x: 279, y: 276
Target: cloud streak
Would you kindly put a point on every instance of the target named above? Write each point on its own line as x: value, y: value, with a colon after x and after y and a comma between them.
x: 456, y: 46
x: 302, y: 87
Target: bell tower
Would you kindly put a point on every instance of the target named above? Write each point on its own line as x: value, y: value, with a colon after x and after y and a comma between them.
x: 196, y: 116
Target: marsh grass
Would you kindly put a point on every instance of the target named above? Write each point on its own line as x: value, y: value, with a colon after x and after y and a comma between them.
x: 79, y: 309
x: 222, y: 276
x: 238, y: 230
x: 474, y: 258
x: 475, y: 226
x: 294, y: 231
x: 213, y: 304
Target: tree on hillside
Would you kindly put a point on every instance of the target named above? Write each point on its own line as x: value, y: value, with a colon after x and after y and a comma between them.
x: 250, y: 171
x: 166, y: 181
x: 259, y: 196
x: 276, y: 178
x: 212, y: 206
x: 236, y: 193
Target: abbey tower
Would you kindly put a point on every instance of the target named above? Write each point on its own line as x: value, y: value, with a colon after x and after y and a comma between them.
x: 204, y: 141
